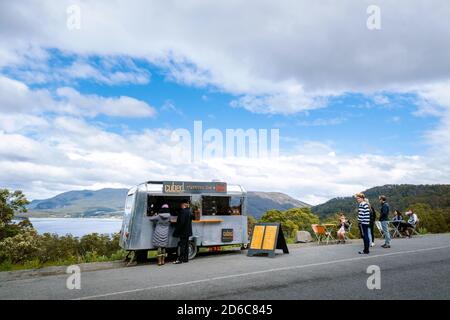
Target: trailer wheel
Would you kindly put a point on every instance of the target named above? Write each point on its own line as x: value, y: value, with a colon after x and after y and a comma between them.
x: 192, y: 250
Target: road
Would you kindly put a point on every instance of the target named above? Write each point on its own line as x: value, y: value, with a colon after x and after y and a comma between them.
x: 416, y: 268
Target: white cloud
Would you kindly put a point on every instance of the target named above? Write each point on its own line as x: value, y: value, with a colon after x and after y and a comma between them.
x: 72, y: 154
x: 169, y: 106
x: 274, y: 57
x: 324, y: 48
x: 434, y: 100
x: 322, y: 122
x: 105, y: 73
x: 17, y: 97
x: 91, y: 105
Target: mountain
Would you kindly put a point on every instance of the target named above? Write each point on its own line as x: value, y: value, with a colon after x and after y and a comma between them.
x: 399, y: 197
x: 260, y: 202
x: 84, y: 203
x: 110, y: 202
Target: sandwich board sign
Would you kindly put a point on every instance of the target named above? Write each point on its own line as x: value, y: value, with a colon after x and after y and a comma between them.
x: 266, y: 238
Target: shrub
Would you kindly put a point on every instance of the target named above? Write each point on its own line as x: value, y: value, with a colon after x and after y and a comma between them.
x: 292, y: 220
x: 19, y: 248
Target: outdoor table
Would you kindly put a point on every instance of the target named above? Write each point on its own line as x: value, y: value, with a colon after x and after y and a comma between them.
x: 396, y: 227
x: 329, y: 228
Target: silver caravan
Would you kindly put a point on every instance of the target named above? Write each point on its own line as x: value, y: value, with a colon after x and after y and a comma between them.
x: 218, y: 209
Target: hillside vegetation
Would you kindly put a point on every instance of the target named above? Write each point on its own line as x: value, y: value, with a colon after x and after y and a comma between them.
x: 431, y: 203
x: 400, y: 197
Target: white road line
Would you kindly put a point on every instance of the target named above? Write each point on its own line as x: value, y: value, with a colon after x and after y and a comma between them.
x: 260, y: 272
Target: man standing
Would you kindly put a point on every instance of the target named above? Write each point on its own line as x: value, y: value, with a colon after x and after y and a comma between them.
x: 363, y: 221
x: 384, y: 220
x: 183, y: 230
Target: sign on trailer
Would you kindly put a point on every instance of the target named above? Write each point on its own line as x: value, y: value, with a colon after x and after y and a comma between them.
x: 194, y: 187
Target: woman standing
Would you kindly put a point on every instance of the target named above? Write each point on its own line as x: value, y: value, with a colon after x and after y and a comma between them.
x: 160, y: 238
x: 363, y: 221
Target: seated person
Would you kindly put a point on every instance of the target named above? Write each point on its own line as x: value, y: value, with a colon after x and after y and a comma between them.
x: 410, y: 226
x: 343, y: 226
x: 398, y: 219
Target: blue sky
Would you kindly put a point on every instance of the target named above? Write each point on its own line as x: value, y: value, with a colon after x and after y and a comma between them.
x: 95, y: 106
x: 353, y: 123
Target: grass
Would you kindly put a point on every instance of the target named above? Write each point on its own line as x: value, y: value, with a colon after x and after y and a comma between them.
x: 36, y: 264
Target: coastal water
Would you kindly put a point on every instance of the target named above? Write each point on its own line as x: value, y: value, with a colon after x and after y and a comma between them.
x: 77, y: 227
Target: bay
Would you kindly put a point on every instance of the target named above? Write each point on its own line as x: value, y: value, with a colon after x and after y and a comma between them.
x: 77, y: 227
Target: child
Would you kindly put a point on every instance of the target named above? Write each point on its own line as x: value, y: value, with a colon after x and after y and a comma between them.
x: 343, y: 227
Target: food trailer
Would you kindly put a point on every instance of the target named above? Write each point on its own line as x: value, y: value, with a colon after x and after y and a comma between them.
x: 218, y: 213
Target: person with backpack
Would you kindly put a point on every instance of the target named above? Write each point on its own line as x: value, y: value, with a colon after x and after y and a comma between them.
x: 373, y: 218
x: 384, y: 220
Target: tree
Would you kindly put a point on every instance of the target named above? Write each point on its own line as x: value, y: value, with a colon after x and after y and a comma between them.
x: 292, y: 220
x: 11, y: 203
x: 431, y: 220
x: 251, y: 221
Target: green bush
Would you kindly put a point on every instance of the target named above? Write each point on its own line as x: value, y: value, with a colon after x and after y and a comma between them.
x: 292, y: 220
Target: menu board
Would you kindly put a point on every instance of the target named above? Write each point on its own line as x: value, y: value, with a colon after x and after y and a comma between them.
x: 266, y: 238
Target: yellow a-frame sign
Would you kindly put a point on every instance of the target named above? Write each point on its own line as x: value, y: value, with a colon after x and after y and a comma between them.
x: 266, y: 238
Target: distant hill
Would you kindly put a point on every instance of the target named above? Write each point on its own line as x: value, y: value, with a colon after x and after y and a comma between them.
x: 399, y: 197
x: 110, y: 202
x: 84, y: 203
x: 260, y: 202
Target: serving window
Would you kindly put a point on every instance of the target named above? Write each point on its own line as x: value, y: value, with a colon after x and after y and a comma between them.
x: 154, y: 204
x: 221, y: 206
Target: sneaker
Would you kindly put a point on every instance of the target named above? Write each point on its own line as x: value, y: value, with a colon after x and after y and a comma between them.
x: 386, y: 246
x: 372, y: 244
x: 362, y: 252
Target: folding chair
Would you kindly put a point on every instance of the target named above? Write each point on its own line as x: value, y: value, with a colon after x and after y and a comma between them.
x: 414, y: 230
x: 380, y: 228
x: 321, y: 233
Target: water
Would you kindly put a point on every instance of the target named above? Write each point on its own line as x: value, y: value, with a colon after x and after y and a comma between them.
x: 77, y: 227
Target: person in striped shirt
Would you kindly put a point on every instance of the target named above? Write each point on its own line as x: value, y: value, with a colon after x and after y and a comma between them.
x: 363, y: 221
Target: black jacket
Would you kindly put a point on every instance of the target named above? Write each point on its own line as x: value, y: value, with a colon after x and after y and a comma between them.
x: 183, y: 227
x: 373, y: 215
x: 384, y: 212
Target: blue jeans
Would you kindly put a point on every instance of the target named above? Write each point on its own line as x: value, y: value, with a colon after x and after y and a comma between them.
x: 364, y: 229
x: 387, y: 236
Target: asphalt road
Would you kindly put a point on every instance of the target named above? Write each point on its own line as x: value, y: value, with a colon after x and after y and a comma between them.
x: 417, y: 268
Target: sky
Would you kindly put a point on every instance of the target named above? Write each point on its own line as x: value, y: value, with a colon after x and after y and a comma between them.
x: 92, y: 91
